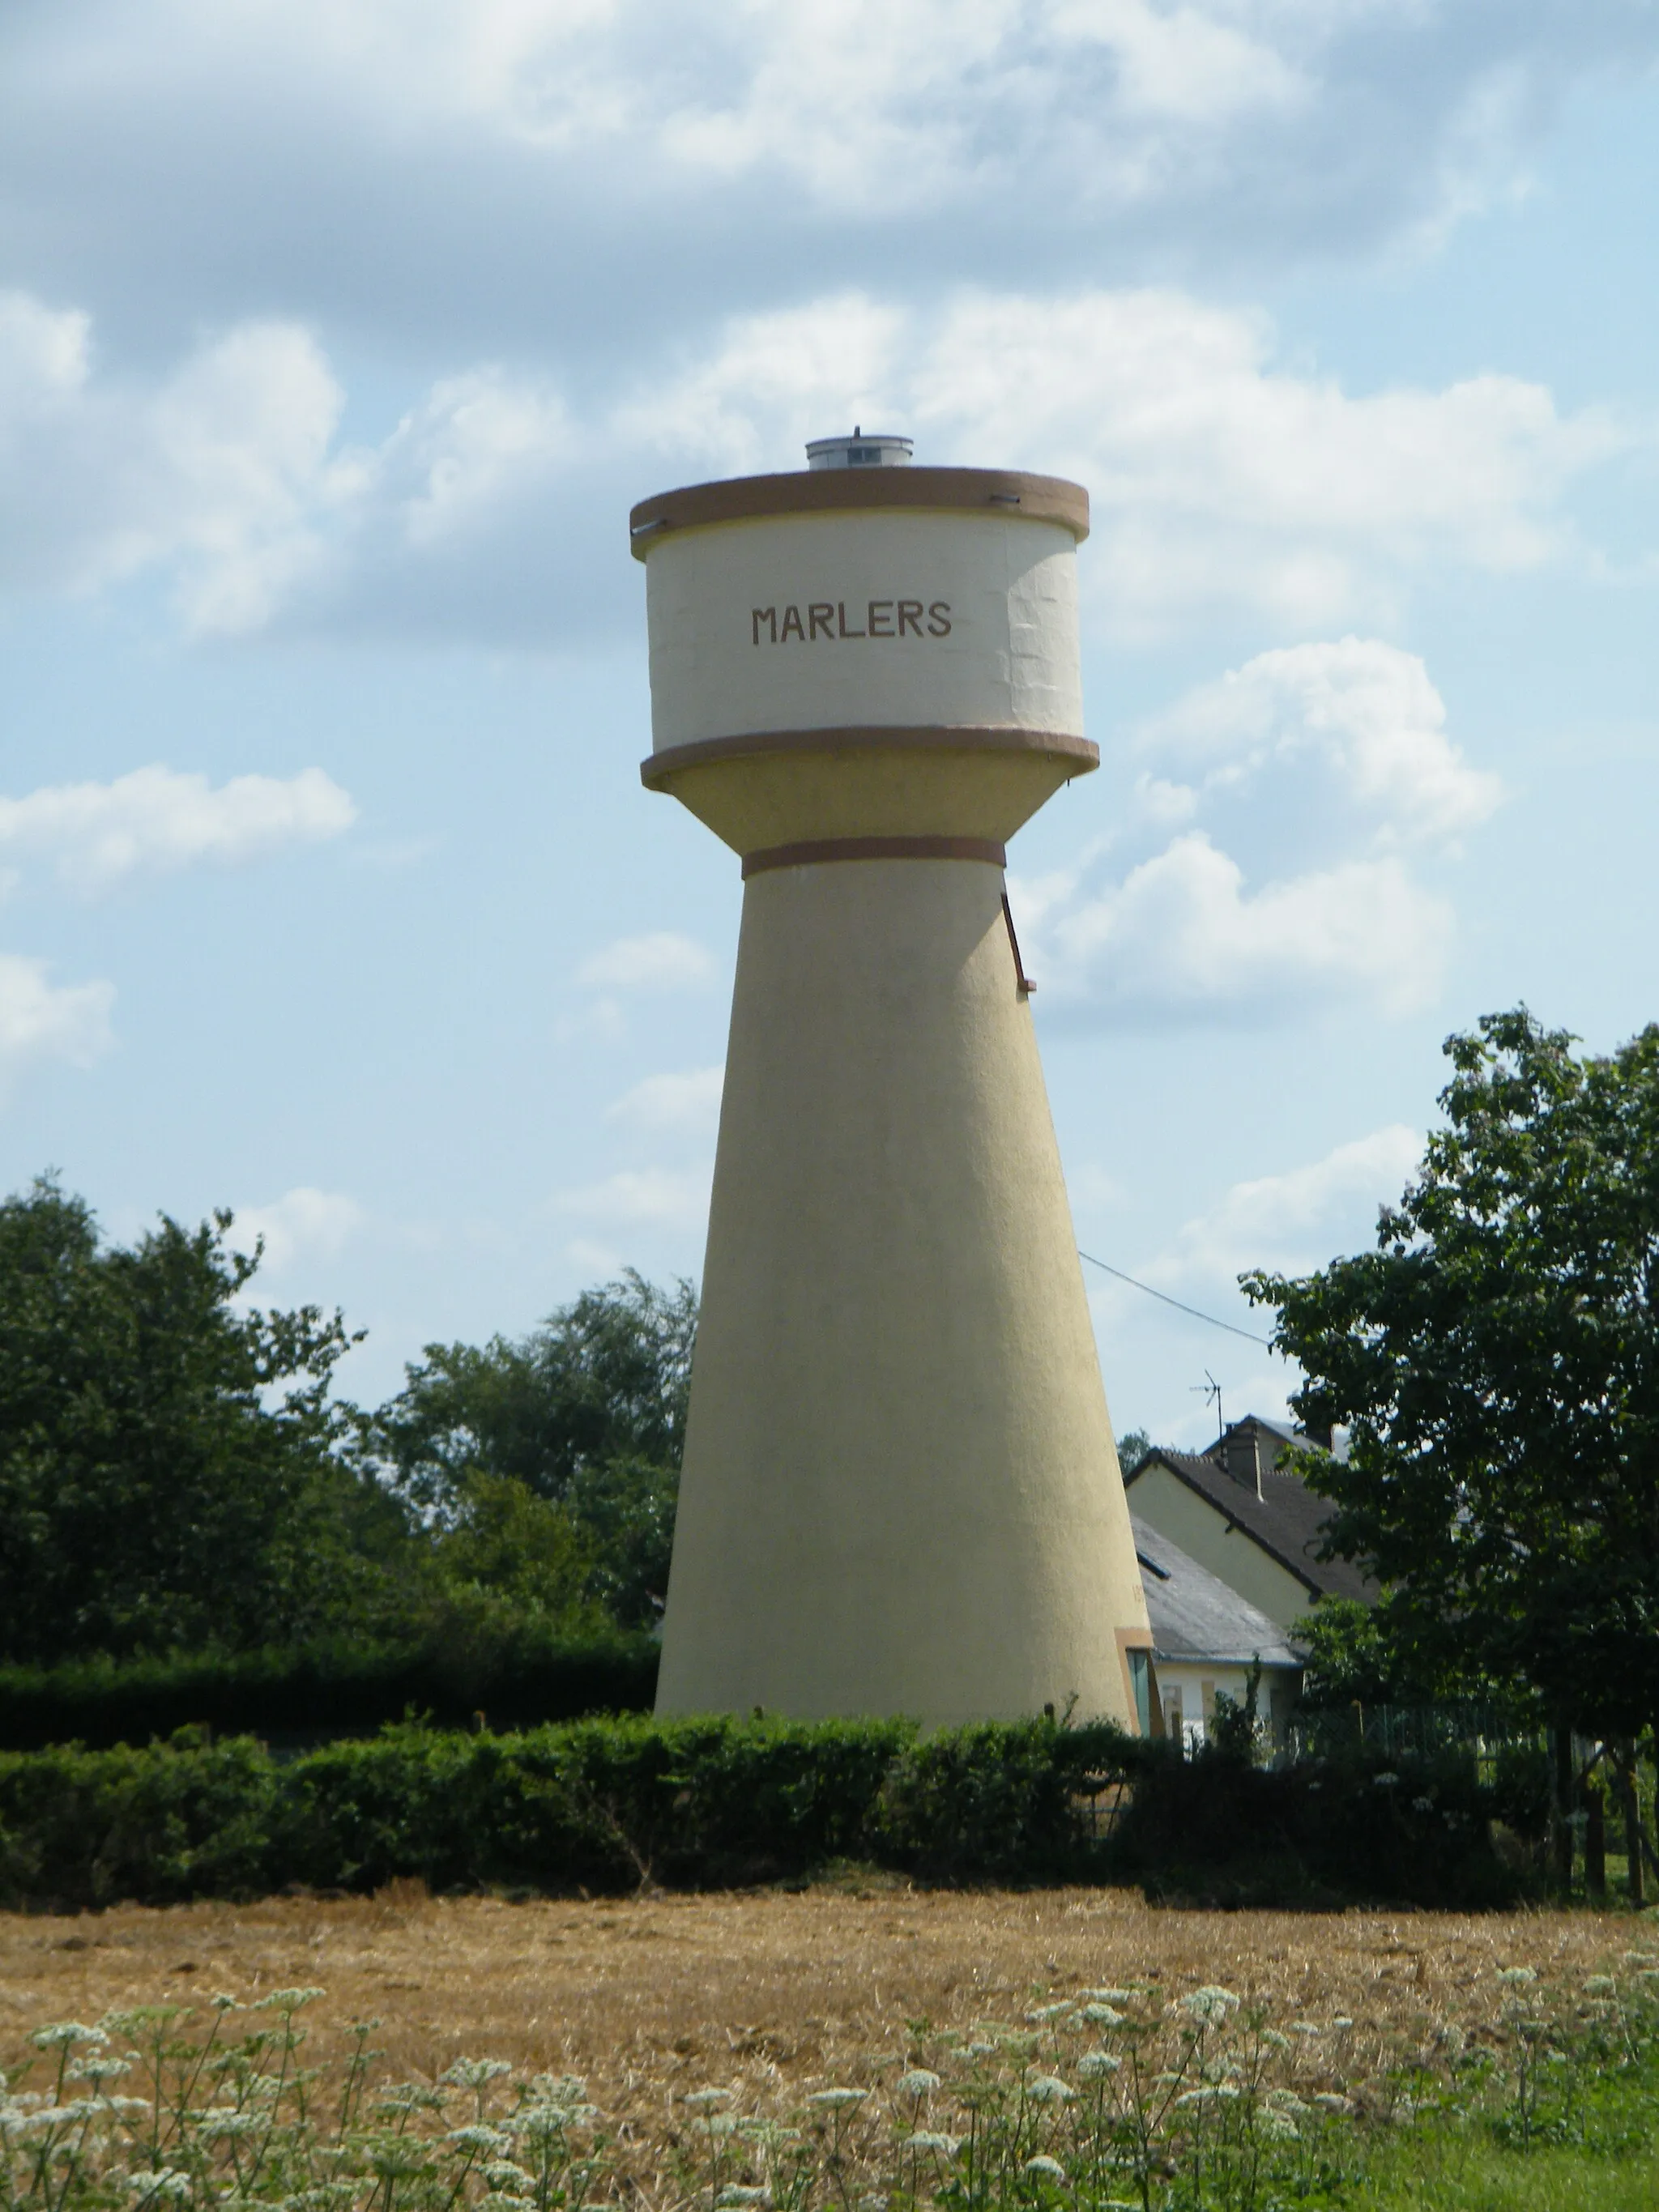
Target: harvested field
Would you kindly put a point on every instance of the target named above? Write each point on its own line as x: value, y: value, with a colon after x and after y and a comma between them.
x: 772, y: 1992
x: 763, y: 1999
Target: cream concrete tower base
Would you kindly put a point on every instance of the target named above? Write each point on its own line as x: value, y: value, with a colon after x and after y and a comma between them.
x: 900, y: 1491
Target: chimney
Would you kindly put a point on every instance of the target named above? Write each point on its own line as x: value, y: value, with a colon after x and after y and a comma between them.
x: 1242, y: 1447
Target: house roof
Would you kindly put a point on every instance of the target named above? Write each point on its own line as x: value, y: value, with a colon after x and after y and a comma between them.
x: 1195, y: 1617
x: 1286, y: 1520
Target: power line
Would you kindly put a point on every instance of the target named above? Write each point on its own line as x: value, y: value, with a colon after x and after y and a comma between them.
x: 1231, y: 1328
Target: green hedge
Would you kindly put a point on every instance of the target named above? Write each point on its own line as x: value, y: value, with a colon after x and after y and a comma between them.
x: 594, y: 1805
x: 1362, y: 1827
x: 327, y: 1689
x: 606, y: 1806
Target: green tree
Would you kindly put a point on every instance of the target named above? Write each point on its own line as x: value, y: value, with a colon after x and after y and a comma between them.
x: 1132, y: 1446
x: 174, y: 1470
x: 587, y: 1413
x: 1496, y: 1358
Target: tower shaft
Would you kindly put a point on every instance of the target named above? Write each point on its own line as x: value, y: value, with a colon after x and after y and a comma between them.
x: 900, y: 1492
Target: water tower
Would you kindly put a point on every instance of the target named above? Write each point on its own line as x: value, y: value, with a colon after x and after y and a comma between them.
x: 900, y: 1492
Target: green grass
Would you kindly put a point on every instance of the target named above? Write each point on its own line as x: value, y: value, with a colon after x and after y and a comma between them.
x: 1459, y: 2173
x: 1607, y: 2158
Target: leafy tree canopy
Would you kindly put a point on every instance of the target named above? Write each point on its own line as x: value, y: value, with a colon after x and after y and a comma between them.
x: 172, y: 1470
x: 587, y: 1413
x: 1496, y: 1358
x: 1132, y: 1446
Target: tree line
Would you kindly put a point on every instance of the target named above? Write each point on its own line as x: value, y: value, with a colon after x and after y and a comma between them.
x: 178, y: 1471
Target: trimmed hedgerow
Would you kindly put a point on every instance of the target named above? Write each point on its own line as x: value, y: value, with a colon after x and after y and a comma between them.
x: 324, y: 1690
x: 594, y: 1805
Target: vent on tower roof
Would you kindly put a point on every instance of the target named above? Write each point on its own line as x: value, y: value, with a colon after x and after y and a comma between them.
x: 875, y: 449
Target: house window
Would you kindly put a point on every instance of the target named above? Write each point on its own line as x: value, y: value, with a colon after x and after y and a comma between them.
x: 1140, y: 1678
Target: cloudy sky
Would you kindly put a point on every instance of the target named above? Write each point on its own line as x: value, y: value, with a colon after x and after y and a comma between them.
x: 337, y: 339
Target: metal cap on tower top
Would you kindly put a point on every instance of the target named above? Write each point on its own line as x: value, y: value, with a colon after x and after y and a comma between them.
x: 878, y: 449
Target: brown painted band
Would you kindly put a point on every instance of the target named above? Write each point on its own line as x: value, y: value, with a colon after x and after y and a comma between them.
x: 814, y: 851
x: 961, y: 737
x: 859, y: 491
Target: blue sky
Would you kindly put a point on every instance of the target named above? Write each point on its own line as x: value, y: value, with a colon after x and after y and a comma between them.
x: 335, y: 340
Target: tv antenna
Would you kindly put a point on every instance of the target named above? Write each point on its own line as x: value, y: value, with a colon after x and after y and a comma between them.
x: 1210, y: 1390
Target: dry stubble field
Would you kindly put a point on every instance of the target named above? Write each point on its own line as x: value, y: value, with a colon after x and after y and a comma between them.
x: 773, y: 1993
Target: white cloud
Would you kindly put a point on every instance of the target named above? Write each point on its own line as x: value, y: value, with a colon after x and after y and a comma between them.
x: 1366, y: 708
x: 1296, y: 1221
x: 1181, y: 938
x: 40, y: 1020
x: 691, y: 1101
x: 303, y: 1224
x: 1339, y: 750
x: 1224, y: 480
x: 698, y: 152
x: 659, y: 960
x: 220, y: 475
x: 643, y: 1194
x: 95, y: 834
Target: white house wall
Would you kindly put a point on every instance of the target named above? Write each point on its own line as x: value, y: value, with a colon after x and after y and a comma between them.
x: 1232, y: 1555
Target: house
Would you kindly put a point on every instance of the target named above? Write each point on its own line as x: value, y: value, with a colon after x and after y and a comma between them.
x: 1206, y: 1641
x: 1242, y: 1515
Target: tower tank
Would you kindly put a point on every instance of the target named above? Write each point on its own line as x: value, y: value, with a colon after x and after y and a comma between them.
x: 900, y: 1492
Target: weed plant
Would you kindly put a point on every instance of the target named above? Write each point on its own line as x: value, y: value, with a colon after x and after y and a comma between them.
x: 1114, y: 2099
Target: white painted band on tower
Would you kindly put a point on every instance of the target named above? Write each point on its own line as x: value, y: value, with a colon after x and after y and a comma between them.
x: 900, y: 1492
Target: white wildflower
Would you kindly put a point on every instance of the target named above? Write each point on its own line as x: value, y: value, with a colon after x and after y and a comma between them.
x: 65, y: 2034
x: 1274, y: 2041
x: 1278, y: 2127
x: 920, y: 2081
x: 1600, y: 1985
x: 706, y: 2100
x: 1385, y: 1781
x: 568, y: 2087
x: 836, y: 2101
x: 162, y: 2185
x: 1328, y: 2100
x: 475, y: 2073
x: 222, y: 2124
x: 1052, y: 2011
x: 98, y: 2065
x: 1306, y: 2027
x: 940, y: 2145
x: 1210, y: 2005
x: 1047, y: 2089
x: 1045, y: 2168
x: 1342, y: 2020
x: 288, y: 2000
x: 1517, y: 1977
x: 1099, y: 2013
x: 477, y: 2136
x: 737, y: 2193
x: 503, y: 2174
x: 1095, y: 2064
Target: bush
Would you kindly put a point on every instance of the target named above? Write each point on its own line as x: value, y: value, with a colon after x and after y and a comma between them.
x: 519, y: 1679
x: 596, y: 1805
x: 609, y: 1805
x: 1362, y: 1828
